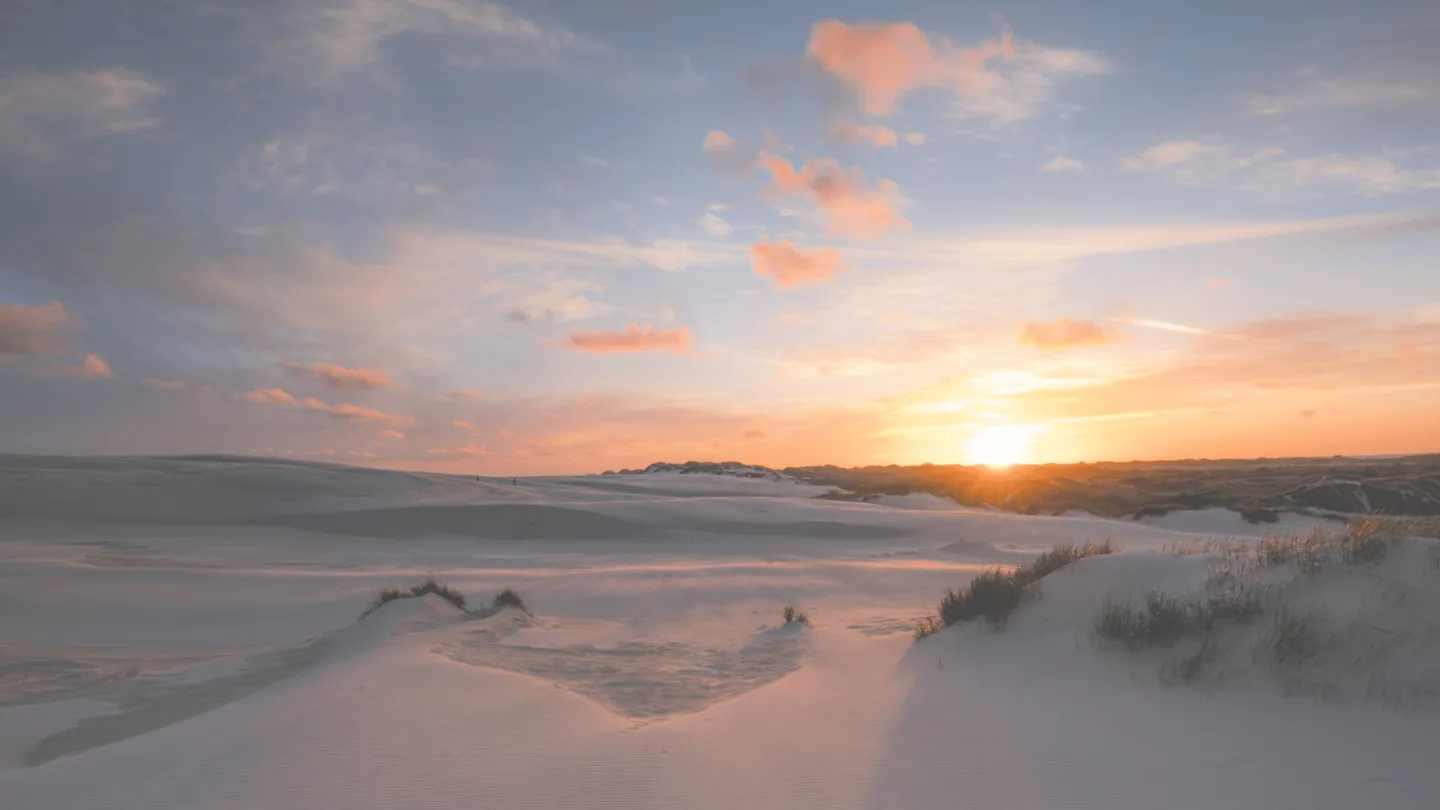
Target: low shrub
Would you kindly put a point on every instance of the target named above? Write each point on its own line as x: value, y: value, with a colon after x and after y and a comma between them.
x: 995, y: 592
x: 428, y: 585
x: 509, y: 598
x: 794, y: 616
x: 928, y: 626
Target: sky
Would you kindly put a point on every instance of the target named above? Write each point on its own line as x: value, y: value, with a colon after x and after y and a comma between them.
x: 563, y: 237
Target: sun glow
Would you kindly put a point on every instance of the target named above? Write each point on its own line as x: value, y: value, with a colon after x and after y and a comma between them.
x: 1001, y: 445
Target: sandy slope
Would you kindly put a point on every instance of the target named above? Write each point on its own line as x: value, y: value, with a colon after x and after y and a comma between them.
x: 183, y: 634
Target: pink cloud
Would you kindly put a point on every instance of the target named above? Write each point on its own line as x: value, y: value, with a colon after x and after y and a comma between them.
x: 340, y: 378
x: 915, y: 138
x: 852, y: 207
x: 789, y: 267
x: 717, y: 141
x: 464, y: 393
x: 1218, y: 283
x: 27, y: 330
x: 877, y: 134
x: 270, y: 396
x: 634, y: 338
x: 470, y: 450
x: 93, y: 367
x: 387, y: 433
x: 884, y: 62
x: 167, y: 385
x: 1066, y: 333
x: 462, y: 424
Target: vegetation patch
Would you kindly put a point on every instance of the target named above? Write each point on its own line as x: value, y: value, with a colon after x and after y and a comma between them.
x: 995, y: 593
x: 426, y: 586
x: 509, y: 598
x: 794, y: 615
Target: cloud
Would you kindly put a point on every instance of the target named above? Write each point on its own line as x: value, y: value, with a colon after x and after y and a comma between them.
x: 338, y: 410
x: 1209, y: 161
x: 339, y: 378
x: 33, y: 330
x: 331, y: 39
x: 1060, y: 163
x: 271, y: 396
x: 791, y: 267
x: 165, y: 385
x: 715, y: 226
x: 1166, y: 326
x: 1217, y: 283
x: 462, y: 424
x: 849, y: 205
x: 1066, y: 333
x: 876, y: 134
x: 471, y: 450
x: 387, y: 433
x: 1308, y: 413
x: 999, y: 79
x: 1311, y: 91
x: 93, y: 367
x: 915, y: 138
x: 40, y: 113
x: 634, y: 338
x: 591, y: 160
x: 464, y: 393
x: 717, y: 141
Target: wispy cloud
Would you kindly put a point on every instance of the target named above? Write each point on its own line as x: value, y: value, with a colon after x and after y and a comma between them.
x: 634, y: 338
x: 1061, y: 163
x: 331, y: 39
x: 850, y: 206
x: 92, y: 367
x: 1311, y: 90
x: 877, y: 135
x: 41, y: 113
x: 470, y: 450
x: 717, y: 141
x: 1067, y: 333
x: 1000, y: 80
x: 1271, y: 171
x: 336, y: 410
x: 715, y: 225
x: 339, y: 378
x: 33, y: 330
x: 164, y: 385
x: 789, y: 266
x: 465, y: 393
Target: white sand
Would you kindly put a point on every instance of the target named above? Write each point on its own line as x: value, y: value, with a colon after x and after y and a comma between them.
x: 182, y: 634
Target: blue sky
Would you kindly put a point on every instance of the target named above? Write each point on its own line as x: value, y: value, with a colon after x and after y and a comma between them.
x: 565, y: 236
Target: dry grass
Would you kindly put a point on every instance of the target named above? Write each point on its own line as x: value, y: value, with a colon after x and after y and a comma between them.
x: 426, y: 586
x: 1163, y: 619
x: 1190, y: 547
x: 995, y: 593
x: 794, y: 615
x: 509, y: 598
x: 928, y: 626
x: 1292, y: 637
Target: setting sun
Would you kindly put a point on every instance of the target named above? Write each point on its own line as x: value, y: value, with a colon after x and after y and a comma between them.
x: 1000, y: 445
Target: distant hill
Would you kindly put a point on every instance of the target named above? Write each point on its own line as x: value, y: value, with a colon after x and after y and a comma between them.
x: 1257, y: 488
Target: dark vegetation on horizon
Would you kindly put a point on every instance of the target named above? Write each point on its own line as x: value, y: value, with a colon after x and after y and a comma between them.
x: 1258, y: 489
x: 429, y: 585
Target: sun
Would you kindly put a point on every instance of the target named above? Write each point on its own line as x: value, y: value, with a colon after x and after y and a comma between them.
x: 1000, y: 445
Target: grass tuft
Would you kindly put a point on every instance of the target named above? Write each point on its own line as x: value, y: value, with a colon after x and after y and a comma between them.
x: 428, y: 585
x: 794, y: 616
x: 509, y: 598
x: 928, y: 626
x: 995, y: 593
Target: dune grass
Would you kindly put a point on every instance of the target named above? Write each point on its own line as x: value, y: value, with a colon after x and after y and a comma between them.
x: 509, y: 598
x: 995, y: 593
x: 794, y: 615
x: 425, y: 586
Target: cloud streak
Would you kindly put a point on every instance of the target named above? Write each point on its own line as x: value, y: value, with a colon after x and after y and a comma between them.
x: 339, y: 378
x: 633, y: 339
x: 41, y: 113
x: 1066, y: 333
x: 790, y: 267
x: 851, y: 207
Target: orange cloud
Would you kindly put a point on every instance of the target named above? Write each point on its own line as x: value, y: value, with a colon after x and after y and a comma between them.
x: 877, y: 134
x: 717, y: 141
x: 93, y: 367
x: 790, y: 267
x: 340, y: 378
x: 1066, y: 333
x: 462, y: 424
x: 168, y: 385
x: 915, y: 138
x: 464, y: 393
x: 851, y: 207
x: 634, y: 338
x: 337, y: 410
x: 883, y: 62
x: 390, y: 434
x: 1218, y: 283
x: 26, y: 330
x: 471, y: 450
x: 270, y: 396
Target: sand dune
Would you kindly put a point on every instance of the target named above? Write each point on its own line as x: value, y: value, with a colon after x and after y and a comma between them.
x: 153, y: 654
